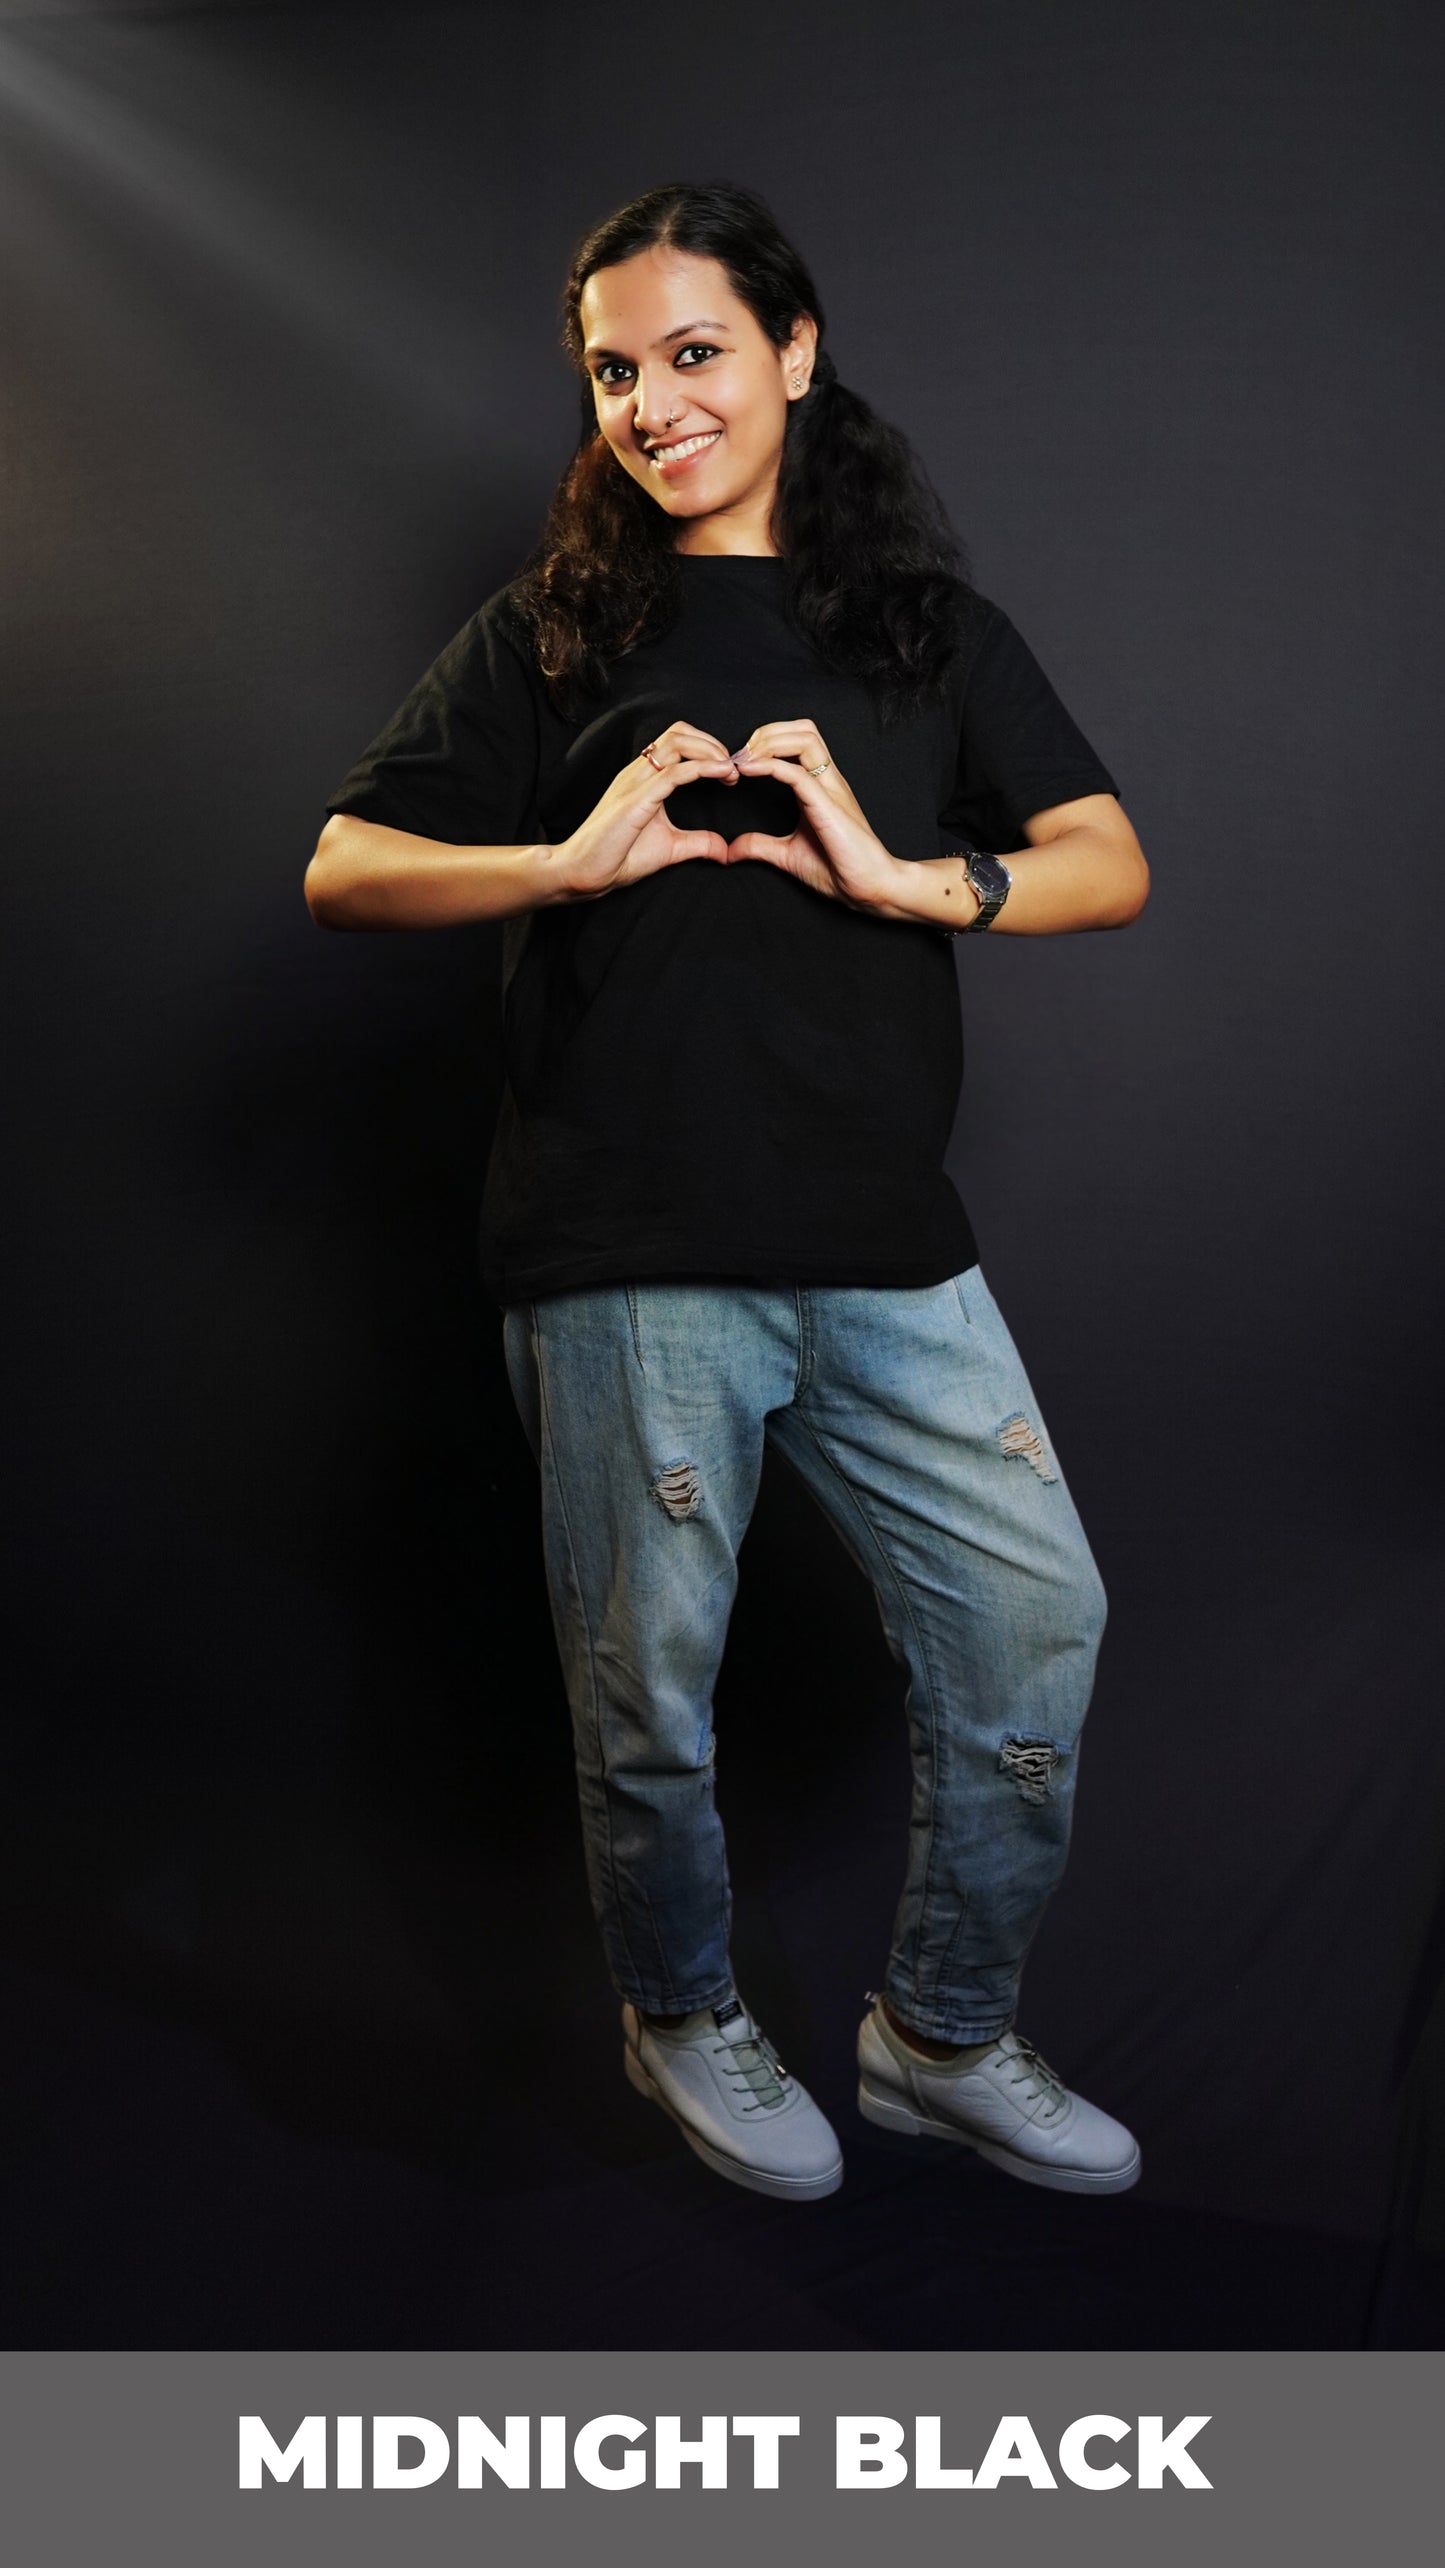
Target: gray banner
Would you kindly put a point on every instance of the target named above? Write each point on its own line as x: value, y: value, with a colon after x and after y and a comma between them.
x: 141, y: 2455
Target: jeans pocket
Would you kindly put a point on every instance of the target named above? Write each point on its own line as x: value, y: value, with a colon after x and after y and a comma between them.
x: 962, y: 1297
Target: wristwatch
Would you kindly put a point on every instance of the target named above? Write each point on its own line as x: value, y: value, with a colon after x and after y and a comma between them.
x: 991, y: 880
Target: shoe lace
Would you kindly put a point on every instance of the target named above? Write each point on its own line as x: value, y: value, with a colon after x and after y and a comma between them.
x: 751, y: 2064
x: 1029, y: 2066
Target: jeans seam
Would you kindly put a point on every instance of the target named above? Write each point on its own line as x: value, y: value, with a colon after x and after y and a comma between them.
x: 585, y: 1621
x: 946, y: 1963
x: 804, y: 1371
x: 636, y: 1324
x: 925, y: 1666
x: 962, y: 1304
x: 665, y: 1978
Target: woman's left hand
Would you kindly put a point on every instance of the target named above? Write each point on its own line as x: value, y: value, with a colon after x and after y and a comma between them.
x: 832, y: 849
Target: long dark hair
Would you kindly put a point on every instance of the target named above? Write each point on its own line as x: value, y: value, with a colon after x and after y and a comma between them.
x: 873, y: 564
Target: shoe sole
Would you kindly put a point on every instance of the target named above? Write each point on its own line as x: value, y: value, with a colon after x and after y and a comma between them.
x: 756, y: 2179
x: 890, y: 2115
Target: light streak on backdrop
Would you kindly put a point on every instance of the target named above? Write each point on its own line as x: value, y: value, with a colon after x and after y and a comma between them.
x: 210, y: 158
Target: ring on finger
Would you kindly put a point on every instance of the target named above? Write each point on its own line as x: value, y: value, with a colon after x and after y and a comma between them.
x: 818, y: 771
x: 658, y: 763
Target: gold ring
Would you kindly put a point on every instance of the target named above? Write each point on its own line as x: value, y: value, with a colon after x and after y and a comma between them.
x: 658, y: 763
x: 817, y: 771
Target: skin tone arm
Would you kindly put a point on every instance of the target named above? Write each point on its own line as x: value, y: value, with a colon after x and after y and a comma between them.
x: 1083, y: 866
x: 365, y: 875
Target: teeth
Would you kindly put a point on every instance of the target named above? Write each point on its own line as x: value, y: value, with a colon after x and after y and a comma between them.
x: 687, y: 446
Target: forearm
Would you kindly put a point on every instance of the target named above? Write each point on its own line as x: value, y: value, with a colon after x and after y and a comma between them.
x: 1083, y: 878
x: 366, y: 876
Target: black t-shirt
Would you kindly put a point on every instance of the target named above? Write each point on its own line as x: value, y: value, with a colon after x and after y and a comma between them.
x: 717, y: 1072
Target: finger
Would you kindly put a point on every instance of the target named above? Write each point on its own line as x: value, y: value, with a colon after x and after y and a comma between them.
x: 798, y: 767
x: 692, y: 742
x: 787, y: 856
x: 682, y: 771
x: 654, y: 760
x: 756, y: 842
x: 788, y: 770
x: 700, y: 842
x: 789, y: 740
x: 667, y: 751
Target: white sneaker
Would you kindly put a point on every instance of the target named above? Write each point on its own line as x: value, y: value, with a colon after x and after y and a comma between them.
x: 734, y: 2102
x: 1008, y: 2106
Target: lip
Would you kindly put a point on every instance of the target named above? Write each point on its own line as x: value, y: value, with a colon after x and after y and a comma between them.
x: 684, y: 463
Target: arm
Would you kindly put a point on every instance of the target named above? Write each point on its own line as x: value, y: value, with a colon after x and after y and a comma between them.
x: 1083, y: 867
x: 364, y: 874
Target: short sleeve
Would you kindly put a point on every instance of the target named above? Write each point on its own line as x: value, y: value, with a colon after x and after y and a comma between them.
x: 458, y: 761
x: 1020, y: 749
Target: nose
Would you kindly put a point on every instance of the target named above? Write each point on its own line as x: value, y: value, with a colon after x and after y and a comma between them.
x: 656, y: 401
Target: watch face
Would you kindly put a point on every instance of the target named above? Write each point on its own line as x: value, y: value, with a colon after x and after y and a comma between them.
x: 989, y: 874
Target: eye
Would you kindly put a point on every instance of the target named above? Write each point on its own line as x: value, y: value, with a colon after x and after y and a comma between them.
x: 609, y: 369
x: 697, y: 348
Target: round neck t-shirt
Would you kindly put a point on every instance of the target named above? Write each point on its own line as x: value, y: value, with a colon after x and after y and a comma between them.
x: 718, y: 1073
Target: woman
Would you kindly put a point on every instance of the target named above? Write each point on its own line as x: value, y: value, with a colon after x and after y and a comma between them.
x: 706, y: 757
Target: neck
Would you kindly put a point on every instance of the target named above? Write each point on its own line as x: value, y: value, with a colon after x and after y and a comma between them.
x: 744, y: 528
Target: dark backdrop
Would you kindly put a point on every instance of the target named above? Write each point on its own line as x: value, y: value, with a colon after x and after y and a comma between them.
x: 312, y: 2035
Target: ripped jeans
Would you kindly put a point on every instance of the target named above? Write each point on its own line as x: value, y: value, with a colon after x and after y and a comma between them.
x: 908, y: 1414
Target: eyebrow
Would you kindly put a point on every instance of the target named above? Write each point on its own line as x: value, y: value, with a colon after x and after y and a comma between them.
x: 689, y: 330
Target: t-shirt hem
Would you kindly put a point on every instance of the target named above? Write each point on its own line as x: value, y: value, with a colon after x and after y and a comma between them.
x: 729, y: 1264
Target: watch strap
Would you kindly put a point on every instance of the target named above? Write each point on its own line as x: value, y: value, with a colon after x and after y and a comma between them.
x: 991, y: 880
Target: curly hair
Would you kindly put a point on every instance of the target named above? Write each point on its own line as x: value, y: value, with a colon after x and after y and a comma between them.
x: 873, y: 565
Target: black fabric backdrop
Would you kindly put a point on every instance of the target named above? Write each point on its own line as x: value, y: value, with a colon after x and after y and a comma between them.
x: 310, y: 2031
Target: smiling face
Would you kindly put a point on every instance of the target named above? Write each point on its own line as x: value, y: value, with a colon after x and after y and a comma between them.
x: 691, y: 394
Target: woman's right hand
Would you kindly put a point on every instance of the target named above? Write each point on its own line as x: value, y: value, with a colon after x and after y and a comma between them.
x: 628, y: 834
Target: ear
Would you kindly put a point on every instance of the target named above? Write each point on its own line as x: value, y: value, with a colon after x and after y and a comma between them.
x: 797, y: 357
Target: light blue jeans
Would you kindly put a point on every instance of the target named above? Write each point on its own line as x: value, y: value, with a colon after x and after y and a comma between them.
x: 909, y: 1416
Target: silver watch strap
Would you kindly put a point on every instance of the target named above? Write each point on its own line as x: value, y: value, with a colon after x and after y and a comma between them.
x: 992, y: 882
